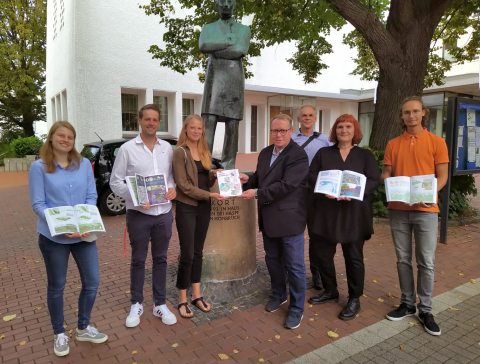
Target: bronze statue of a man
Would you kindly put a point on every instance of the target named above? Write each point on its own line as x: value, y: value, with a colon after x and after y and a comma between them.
x: 227, y: 43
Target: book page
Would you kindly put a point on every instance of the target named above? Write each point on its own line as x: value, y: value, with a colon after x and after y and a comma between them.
x: 328, y: 182
x: 88, y: 218
x: 423, y: 189
x: 353, y: 185
x: 398, y: 189
x: 141, y: 190
x: 132, y: 188
x: 229, y: 183
x: 61, y: 220
x: 156, y: 187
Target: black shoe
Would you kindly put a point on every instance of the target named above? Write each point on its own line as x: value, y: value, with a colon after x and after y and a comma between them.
x: 350, y: 310
x: 324, y: 297
x: 429, y: 323
x: 402, y: 311
x: 293, y: 320
x: 317, y: 281
x: 274, y: 304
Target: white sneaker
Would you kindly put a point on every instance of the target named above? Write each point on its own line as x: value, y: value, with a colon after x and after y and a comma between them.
x: 162, y: 311
x: 60, y: 345
x: 133, y: 318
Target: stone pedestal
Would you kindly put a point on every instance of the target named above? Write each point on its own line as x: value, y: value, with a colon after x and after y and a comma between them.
x: 229, y: 256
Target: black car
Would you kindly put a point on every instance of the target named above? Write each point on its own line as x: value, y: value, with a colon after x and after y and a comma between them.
x: 102, y: 156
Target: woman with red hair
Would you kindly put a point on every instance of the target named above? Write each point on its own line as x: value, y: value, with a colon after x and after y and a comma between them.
x: 342, y: 220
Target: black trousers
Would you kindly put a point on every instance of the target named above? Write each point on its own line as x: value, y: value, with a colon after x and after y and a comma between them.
x: 353, y: 254
x: 192, y: 226
x: 141, y: 229
x: 312, y: 255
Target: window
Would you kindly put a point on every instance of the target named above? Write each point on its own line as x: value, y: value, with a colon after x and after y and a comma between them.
x: 162, y: 102
x: 445, y: 52
x: 253, y: 130
x: 187, y: 108
x: 366, y: 110
x: 129, y: 112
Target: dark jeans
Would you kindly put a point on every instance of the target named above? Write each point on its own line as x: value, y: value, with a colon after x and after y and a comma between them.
x: 141, y: 229
x: 353, y: 254
x: 56, y: 262
x: 286, y: 255
x: 192, y: 226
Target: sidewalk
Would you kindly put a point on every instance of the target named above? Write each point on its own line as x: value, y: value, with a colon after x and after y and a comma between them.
x: 246, y: 336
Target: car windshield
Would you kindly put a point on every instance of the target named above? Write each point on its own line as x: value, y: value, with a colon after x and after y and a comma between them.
x: 89, y: 152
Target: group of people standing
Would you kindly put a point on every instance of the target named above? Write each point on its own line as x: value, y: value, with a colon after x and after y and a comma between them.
x: 283, y: 187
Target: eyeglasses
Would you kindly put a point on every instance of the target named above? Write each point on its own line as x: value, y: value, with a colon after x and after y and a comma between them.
x: 414, y: 112
x: 282, y: 132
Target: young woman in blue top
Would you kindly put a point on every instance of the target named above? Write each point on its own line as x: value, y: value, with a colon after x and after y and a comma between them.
x: 62, y: 177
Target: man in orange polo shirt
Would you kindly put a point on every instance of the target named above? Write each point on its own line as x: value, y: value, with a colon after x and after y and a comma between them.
x: 416, y: 152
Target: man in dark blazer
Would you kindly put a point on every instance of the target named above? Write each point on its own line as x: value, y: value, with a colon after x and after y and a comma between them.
x: 280, y: 185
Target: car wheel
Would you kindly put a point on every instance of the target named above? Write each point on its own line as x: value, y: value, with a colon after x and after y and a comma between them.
x: 112, y: 204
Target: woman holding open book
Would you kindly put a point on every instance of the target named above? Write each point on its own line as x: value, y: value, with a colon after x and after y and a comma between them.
x: 343, y: 215
x: 62, y: 177
x: 192, y: 163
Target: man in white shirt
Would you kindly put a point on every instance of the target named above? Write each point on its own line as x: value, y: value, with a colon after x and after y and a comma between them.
x: 311, y: 141
x: 147, y: 155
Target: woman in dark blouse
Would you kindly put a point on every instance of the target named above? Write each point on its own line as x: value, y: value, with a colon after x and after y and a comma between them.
x: 342, y: 220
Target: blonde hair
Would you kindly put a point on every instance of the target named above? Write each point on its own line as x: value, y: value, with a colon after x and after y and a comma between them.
x: 283, y: 117
x: 203, y: 151
x: 425, y: 118
x: 46, y: 151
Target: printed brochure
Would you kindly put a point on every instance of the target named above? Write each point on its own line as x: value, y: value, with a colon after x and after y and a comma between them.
x: 73, y: 219
x: 150, y: 189
x: 229, y: 183
x: 341, y: 184
x: 412, y: 189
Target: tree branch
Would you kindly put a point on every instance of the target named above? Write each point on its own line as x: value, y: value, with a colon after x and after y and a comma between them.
x: 381, y: 42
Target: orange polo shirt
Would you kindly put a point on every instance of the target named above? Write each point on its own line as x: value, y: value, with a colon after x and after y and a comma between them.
x: 415, y: 155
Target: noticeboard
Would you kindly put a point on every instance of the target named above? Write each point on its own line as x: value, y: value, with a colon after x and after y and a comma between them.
x: 466, y: 136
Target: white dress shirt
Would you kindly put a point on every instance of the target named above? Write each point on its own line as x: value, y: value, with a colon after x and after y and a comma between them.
x: 135, y: 157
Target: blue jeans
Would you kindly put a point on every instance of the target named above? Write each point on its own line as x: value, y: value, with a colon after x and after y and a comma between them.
x: 424, y: 226
x: 56, y: 262
x: 282, y: 256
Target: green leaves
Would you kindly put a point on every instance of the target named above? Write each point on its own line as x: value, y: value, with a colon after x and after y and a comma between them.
x: 22, y: 62
x: 271, y: 21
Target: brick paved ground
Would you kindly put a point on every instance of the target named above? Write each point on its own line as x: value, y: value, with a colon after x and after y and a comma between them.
x: 246, y: 337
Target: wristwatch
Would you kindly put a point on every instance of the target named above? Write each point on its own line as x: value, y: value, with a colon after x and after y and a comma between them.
x: 256, y: 194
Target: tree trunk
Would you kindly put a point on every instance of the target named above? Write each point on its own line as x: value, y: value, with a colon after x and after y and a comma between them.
x: 27, y: 124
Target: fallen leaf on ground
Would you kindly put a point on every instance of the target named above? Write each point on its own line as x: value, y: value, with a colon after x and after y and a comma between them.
x: 235, y: 307
x: 22, y: 343
x: 442, y: 272
x: 299, y: 336
x: 472, y: 281
x: 261, y: 360
x: 33, y: 279
x: 223, y: 356
x: 413, y: 323
x: 2, y: 337
x: 70, y: 331
x: 454, y: 309
x: 247, y: 337
x: 174, y: 345
x: 310, y: 306
x: 277, y: 337
x: 390, y: 295
x: 374, y: 281
x: 396, y: 306
x: 134, y: 352
x: 380, y: 300
x: 401, y: 347
x: 332, y: 334
x: 311, y: 319
x: 39, y: 308
x: 235, y: 351
x: 364, y: 295
x: 345, y: 279
x: 127, y: 292
x: 461, y: 274
x: 9, y: 317
x: 269, y: 340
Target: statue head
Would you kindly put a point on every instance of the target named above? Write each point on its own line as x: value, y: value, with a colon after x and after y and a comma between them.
x: 225, y: 8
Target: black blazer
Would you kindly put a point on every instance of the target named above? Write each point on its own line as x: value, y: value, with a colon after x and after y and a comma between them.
x: 282, y: 191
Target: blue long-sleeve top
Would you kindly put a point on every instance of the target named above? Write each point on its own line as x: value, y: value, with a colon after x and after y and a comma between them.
x: 64, y: 187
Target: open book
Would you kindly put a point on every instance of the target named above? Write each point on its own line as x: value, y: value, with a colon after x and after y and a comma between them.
x: 73, y: 219
x: 229, y: 183
x: 150, y: 189
x: 341, y: 184
x: 412, y: 189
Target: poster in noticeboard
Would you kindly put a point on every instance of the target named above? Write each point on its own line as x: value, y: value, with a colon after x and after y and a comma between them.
x: 468, y: 137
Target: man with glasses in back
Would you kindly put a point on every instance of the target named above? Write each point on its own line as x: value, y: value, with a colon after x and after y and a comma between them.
x: 280, y: 186
x: 311, y: 141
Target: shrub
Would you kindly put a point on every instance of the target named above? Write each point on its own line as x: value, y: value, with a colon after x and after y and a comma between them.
x: 26, y: 146
x: 462, y: 187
